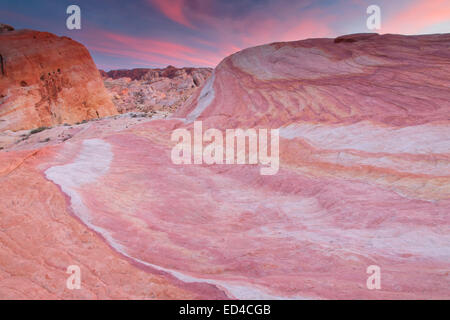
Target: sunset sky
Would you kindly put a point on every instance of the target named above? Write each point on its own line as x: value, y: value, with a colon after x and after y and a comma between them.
x: 156, y: 33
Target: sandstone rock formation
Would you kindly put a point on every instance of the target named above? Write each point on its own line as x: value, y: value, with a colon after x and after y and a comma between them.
x: 385, y: 79
x: 47, y: 80
x: 5, y: 28
x: 150, y: 90
x: 364, y: 180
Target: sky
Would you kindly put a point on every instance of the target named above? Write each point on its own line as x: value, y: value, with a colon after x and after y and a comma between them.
x: 155, y: 33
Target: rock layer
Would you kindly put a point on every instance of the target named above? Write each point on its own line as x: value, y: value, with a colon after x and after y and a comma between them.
x: 47, y: 80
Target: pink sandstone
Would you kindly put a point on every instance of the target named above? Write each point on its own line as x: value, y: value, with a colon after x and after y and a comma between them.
x: 364, y: 180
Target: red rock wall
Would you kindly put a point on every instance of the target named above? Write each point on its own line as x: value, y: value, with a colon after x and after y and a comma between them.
x: 47, y: 80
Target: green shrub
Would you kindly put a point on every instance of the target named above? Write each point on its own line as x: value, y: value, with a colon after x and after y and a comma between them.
x: 37, y: 130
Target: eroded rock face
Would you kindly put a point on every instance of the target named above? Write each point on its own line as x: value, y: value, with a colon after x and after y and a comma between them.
x: 5, y: 28
x: 47, y: 80
x: 363, y: 180
x: 150, y: 90
x: 390, y: 79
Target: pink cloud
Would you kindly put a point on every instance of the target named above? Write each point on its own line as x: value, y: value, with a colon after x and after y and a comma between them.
x: 173, y: 9
x: 261, y: 28
x: 219, y: 37
x: 418, y: 16
x: 307, y: 28
x: 152, y: 51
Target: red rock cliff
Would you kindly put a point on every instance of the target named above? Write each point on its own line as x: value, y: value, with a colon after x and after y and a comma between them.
x: 47, y: 80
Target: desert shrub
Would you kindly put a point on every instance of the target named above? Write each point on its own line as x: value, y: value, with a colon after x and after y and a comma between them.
x: 37, y: 130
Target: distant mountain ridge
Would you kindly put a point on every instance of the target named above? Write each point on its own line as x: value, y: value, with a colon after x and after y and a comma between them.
x: 153, y: 90
x: 145, y: 73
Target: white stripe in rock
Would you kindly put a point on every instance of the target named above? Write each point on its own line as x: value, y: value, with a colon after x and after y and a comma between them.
x: 204, y: 100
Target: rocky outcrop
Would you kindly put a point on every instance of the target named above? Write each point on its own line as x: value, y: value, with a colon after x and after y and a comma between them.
x: 5, y: 28
x: 47, y: 80
x: 152, y: 90
x: 390, y: 79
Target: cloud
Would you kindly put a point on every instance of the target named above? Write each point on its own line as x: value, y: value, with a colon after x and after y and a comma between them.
x: 149, y: 50
x: 174, y: 10
x: 219, y: 32
x: 418, y: 17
